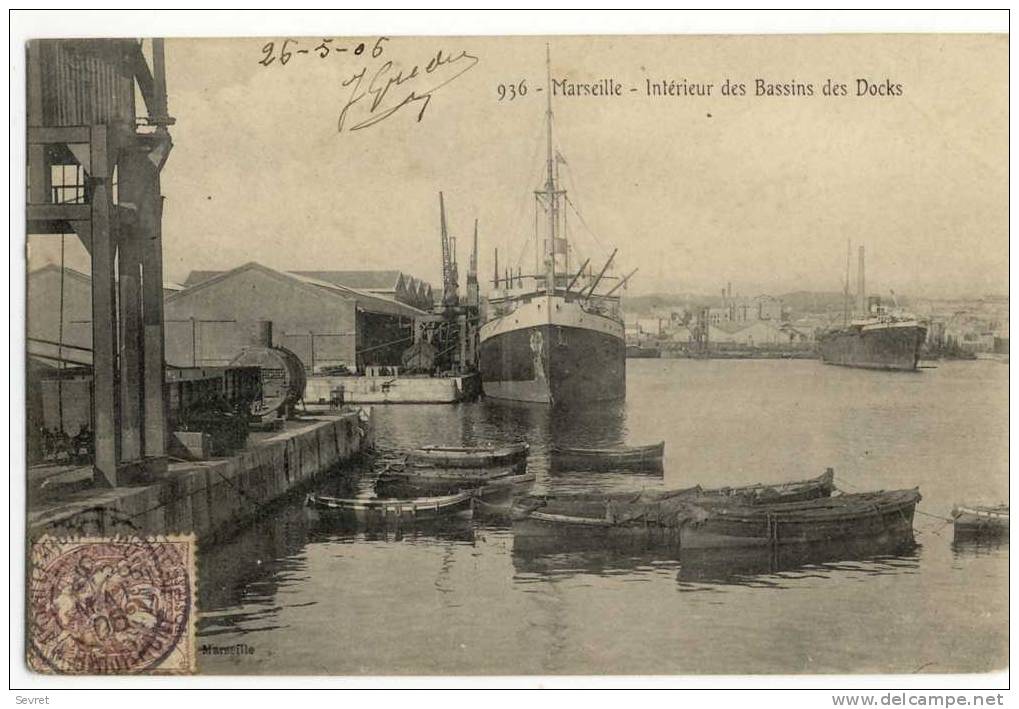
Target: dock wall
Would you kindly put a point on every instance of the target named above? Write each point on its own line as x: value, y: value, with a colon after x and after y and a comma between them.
x: 210, y: 498
x: 399, y: 389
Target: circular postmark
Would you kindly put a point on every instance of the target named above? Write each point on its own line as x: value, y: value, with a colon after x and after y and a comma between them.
x: 111, y: 606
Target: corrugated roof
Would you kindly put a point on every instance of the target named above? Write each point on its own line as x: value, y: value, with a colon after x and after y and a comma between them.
x: 366, y: 301
x: 361, y: 280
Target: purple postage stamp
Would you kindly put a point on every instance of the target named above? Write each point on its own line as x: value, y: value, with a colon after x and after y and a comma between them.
x: 121, y: 605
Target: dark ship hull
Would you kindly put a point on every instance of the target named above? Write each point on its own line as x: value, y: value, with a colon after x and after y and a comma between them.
x: 553, y: 363
x: 878, y: 346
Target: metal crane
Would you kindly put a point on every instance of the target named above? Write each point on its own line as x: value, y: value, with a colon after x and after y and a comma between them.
x: 450, y: 278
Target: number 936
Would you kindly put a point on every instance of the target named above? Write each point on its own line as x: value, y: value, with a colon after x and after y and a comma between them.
x: 509, y: 92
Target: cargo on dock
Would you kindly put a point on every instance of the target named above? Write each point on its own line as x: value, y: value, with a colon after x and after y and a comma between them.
x: 208, y: 498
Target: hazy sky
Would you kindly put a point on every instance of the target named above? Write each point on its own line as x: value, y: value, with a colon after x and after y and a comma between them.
x: 695, y: 191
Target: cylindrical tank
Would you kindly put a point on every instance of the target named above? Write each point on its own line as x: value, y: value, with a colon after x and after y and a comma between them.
x: 283, y: 378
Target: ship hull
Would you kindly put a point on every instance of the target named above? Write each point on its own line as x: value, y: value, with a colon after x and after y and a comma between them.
x: 895, y: 347
x: 560, y: 362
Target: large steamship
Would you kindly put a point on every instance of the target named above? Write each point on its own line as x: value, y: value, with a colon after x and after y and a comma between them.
x: 552, y: 337
x: 878, y: 338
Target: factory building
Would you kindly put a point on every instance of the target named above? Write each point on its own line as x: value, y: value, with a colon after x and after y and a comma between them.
x: 329, y: 326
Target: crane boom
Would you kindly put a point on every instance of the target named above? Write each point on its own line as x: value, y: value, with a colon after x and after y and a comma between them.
x: 450, y: 296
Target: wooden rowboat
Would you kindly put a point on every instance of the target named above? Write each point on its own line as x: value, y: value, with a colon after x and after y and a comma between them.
x: 821, y: 486
x: 468, y: 457
x: 865, y: 515
x: 600, y: 505
x: 976, y: 521
x: 372, y: 509
x: 705, y: 522
x: 619, y: 458
x: 442, y: 477
x: 448, y: 482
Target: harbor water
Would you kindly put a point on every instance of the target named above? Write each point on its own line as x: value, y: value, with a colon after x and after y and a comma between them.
x: 297, y: 592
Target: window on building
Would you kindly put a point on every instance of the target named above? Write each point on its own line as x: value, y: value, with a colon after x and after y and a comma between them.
x: 67, y: 184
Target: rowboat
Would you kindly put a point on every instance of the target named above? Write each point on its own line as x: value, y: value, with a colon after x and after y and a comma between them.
x: 602, y: 505
x: 972, y: 521
x: 619, y: 458
x: 446, y: 482
x: 865, y: 515
x: 398, y: 481
x: 693, y: 521
x: 380, y: 509
x: 476, y: 457
x: 496, y: 498
x: 797, y: 491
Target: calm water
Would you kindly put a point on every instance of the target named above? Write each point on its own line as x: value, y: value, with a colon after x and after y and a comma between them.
x: 308, y: 596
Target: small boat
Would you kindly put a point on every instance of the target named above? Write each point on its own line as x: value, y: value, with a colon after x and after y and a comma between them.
x: 976, y: 521
x: 866, y: 515
x: 601, y: 505
x: 496, y: 498
x: 621, y: 457
x: 437, y: 479
x: 798, y: 491
x: 380, y: 509
x: 468, y: 457
x: 694, y: 521
x: 448, y: 482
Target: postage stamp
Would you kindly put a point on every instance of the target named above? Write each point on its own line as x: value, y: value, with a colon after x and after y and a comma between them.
x: 119, y: 605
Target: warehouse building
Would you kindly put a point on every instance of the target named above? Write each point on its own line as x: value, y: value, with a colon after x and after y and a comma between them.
x: 329, y: 326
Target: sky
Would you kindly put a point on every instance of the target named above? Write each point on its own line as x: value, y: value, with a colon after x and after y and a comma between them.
x: 695, y: 191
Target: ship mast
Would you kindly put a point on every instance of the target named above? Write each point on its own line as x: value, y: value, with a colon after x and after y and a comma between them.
x: 550, y: 187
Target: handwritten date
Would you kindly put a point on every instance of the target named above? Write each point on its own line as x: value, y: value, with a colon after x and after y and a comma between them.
x: 281, y: 52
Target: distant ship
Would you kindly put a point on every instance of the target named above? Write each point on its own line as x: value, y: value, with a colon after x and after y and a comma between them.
x: 551, y: 337
x: 880, y: 339
x: 879, y: 342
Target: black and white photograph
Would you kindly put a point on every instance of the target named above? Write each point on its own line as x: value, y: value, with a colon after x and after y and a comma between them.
x: 513, y: 354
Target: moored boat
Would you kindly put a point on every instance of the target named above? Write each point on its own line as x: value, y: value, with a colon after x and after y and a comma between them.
x: 865, y: 515
x: 604, y: 506
x: 463, y: 457
x: 878, y: 338
x: 647, y: 457
x: 383, y: 509
x: 400, y: 483
x: 698, y: 521
x: 975, y: 521
x: 554, y: 336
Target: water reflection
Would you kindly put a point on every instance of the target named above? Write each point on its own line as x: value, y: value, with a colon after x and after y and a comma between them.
x: 250, y: 569
x: 562, y: 556
x: 979, y: 546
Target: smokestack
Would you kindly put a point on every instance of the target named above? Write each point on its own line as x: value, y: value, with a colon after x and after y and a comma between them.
x: 861, y: 286
x: 728, y: 290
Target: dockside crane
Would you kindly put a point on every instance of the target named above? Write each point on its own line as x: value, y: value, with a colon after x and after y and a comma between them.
x: 450, y: 278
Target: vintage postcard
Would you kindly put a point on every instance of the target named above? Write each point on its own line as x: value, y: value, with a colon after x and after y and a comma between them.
x: 517, y: 355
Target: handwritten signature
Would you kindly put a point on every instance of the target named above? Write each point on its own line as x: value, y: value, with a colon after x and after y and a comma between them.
x: 375, y: 96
